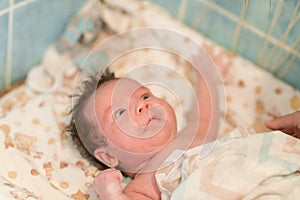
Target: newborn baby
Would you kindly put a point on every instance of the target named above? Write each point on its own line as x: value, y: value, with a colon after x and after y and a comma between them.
x: 129, y: 130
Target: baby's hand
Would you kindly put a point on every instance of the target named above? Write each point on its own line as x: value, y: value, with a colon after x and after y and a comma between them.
x: 289, y: 124
x: 107, y: 184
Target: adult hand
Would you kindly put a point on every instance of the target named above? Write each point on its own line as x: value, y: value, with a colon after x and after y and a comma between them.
x: 289, y: 124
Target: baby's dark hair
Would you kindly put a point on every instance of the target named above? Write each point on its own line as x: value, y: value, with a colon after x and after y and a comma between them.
x: 89, y: 133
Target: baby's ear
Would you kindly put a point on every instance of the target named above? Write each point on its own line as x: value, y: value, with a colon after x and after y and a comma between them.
x: 105, y: 157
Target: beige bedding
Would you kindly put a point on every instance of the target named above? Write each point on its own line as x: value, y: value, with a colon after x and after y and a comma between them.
x: 38, y: 159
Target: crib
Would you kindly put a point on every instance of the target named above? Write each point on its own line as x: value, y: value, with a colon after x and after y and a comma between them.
x: 38, y: 158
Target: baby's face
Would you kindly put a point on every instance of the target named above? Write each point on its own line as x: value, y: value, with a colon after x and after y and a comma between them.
x: 132, y: 118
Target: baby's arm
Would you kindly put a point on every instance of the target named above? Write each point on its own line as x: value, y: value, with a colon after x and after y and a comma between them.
x: 107, y: 184
x: 289, y: 124
x: 200, y: 113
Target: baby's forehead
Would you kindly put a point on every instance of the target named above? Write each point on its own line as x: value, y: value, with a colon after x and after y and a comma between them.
x: 119, y: 87
x: 128, y: 82
x: 122, y: 84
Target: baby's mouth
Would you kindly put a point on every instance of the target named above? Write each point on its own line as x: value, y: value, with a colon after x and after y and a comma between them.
x: 154, y: 117
x: 152, y: 127
x: 155, y: 122
x: 151, y: 119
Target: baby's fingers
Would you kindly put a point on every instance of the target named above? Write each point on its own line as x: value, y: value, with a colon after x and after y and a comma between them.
x: 109, y: 175
x: 107, y: 183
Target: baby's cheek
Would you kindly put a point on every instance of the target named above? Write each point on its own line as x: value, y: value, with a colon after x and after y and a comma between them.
x: 123, y: 124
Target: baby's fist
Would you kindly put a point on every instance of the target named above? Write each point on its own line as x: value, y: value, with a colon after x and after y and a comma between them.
x: 107, y: 184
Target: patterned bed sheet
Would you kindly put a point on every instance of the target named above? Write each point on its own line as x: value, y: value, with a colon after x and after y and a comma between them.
x: 38, y: 159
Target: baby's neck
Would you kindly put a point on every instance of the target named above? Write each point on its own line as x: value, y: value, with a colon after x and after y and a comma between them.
x: 179, y: 143
x: 153, y: 163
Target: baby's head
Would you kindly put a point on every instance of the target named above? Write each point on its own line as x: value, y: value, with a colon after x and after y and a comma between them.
x: 121, y: 123
x: 84, y: 133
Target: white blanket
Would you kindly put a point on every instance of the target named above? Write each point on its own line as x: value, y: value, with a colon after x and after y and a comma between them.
x: 258, y: 166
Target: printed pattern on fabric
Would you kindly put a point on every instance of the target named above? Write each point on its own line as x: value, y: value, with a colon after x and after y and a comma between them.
x: 236, y: 168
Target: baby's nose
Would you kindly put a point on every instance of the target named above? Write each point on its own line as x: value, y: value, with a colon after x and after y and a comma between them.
x: 143, y: 107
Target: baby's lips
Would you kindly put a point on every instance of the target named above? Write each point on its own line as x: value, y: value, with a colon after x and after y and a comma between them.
x: 157, y: 112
